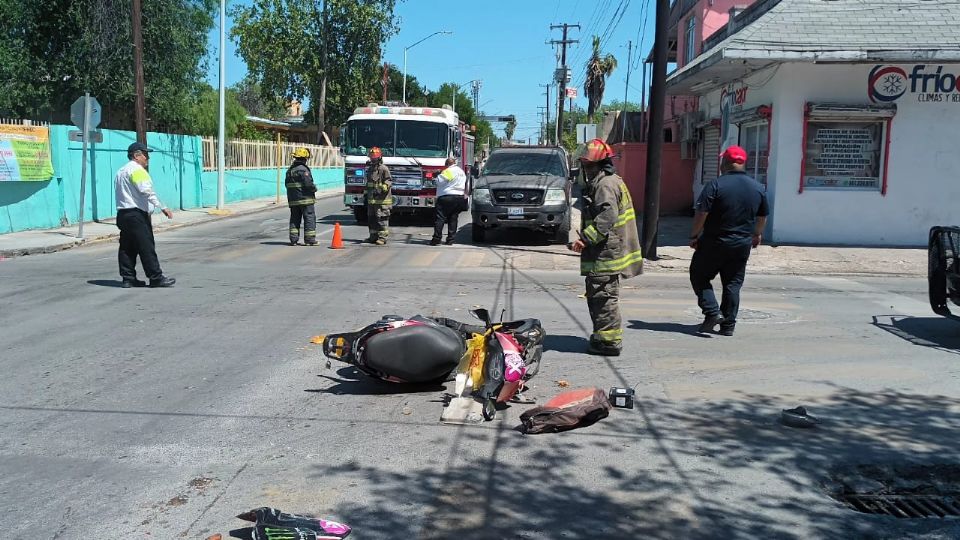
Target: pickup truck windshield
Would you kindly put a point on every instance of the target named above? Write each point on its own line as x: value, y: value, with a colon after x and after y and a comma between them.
x: 525, y: 163
x: 407, y: 138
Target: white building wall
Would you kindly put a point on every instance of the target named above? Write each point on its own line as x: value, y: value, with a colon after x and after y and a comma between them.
x: 923, y: 171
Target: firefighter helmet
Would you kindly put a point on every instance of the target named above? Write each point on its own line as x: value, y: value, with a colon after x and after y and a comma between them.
x: 596, y: 150
x: 375, y: 153
x: 301, y: 153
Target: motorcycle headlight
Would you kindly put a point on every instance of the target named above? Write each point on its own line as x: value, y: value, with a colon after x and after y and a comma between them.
x: 555, y: 196
x: 482, y: 196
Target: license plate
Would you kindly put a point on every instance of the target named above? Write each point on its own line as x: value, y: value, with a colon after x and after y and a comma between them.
x: 514, y: 213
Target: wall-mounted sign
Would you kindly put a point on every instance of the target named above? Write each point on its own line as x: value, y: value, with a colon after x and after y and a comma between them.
x: 924, y: 83
x: 25, y: 154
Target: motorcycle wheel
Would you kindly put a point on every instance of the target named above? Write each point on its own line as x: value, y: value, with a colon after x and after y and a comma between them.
x: 489, y: 409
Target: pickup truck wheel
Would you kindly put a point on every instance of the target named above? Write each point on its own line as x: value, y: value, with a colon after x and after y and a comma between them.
x: 478, y: 234
x: 561, y: 234
x: 360, y: 214
x: 937, y: 273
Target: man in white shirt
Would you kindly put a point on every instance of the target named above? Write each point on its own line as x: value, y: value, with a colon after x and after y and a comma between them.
x: 136, y: 200
x: 451, y: 200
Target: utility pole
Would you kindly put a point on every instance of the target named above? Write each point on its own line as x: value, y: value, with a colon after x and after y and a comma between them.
x: 139, y: 107
x: 221, y: 130
x: 658, y: 94
x: 385, y: 81
x: 541, y: 111
x: 562, y: 78
x: 546, y: 124
x: 623, y: 125
x: 643, y: 103
x: 475, y: 88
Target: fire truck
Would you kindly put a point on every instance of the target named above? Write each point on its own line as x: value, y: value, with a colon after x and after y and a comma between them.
x: 416, y: 141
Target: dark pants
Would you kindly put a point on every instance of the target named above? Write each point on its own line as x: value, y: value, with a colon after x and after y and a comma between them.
x: 731, y: 263
x: 305, y: 214
x: 448, y: 210
x: 603, y: 300
x: 378, y: 221
x: 136, y: 238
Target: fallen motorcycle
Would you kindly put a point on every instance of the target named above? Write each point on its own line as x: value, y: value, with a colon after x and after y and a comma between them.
x: 424, y: 350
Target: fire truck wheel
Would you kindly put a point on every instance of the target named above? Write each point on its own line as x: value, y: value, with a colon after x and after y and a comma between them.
x: 360, y: 214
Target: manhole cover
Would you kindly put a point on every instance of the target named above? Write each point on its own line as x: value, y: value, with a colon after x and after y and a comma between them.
x: 903, y: 491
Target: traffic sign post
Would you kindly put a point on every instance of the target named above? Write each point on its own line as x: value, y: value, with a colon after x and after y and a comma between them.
x: 85, y: 114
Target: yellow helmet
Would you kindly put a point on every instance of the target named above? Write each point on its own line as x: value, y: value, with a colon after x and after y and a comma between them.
x: 301, y: 153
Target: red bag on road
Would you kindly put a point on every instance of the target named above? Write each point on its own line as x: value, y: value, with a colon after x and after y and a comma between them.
x: 566, y: 411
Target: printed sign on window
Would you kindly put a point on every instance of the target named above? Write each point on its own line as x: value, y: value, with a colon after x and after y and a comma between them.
x: 844, y: 155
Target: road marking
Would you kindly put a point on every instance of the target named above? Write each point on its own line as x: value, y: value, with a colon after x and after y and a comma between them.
x: 424, y: 259
x: 470, y: 259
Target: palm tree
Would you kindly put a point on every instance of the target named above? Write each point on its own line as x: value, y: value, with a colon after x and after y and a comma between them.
x: 509, y: 129
x: 598, y: 70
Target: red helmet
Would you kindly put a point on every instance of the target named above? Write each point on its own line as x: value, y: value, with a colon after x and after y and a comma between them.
x: 375, y: 153
x: 596, y: 150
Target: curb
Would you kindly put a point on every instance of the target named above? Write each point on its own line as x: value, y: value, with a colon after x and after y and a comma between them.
x: 22, y: 252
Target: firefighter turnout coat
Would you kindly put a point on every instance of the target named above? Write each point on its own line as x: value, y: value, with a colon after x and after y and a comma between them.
x: 301, y: 190
x: 609, y: 229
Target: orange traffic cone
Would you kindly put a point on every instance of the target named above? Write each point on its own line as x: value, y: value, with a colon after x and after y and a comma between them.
x: 337, y: 242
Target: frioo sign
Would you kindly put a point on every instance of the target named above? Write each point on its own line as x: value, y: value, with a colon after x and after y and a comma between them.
x: 925, y: 83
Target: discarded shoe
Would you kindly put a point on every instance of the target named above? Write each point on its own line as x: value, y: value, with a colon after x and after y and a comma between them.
x: 128, y: 283
x: 162, y: 282
x: 798, y: 418
x: 709, y: 323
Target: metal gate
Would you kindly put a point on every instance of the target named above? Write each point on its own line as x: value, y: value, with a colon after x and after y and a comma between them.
x: 711, y: 154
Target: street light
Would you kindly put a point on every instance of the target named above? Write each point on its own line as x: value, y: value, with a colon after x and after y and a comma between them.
x: 405, y: 49
x: 456, y: 90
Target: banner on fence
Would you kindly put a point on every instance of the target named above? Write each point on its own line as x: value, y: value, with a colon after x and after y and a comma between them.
x: 25, y: 154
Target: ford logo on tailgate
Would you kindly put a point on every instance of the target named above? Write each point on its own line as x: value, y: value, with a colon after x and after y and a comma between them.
x: 517, y: 196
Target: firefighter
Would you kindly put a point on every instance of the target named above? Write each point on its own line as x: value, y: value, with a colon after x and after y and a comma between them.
x: 301, y: 196
x: 378, y: 196
x: 609, y: 245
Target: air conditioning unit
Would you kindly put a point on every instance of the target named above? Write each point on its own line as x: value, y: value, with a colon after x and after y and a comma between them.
x: 688, y: 127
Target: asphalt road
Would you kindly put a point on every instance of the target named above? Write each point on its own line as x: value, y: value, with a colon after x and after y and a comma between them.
x: 148, y: 413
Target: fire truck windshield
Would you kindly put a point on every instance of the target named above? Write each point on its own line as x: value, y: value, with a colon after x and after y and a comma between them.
x: 408, y: 138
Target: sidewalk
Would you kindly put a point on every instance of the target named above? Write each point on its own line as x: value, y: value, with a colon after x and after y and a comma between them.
x: 50, y: 240
x: 674, y: 256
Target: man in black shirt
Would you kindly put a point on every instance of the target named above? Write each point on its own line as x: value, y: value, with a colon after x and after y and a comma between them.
x: 731, y: 214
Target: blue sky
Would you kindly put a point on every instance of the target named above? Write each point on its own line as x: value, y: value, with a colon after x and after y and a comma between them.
x: 503, y: 44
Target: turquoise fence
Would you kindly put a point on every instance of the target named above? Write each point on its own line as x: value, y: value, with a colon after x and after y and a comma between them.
x: 175, y: 167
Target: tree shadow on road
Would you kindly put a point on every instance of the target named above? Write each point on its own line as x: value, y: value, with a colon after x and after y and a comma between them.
x: 722, y: 469
x: 940, y: 333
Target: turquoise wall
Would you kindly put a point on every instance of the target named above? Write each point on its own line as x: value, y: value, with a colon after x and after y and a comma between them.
x: 242, y: 185
x: 175, y: 167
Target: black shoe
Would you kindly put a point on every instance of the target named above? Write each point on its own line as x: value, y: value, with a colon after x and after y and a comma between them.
x: 449, y: 242
x: 162, y: 282
x: 599, y: 349
x: 709, y: 323
x: 128, y: 283
x: 310, y: 243
x: 726, y: 330
x: 434, y: 241
x: 293, y: 242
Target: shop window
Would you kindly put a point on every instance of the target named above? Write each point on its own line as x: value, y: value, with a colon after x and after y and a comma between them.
x: 690, y: 40
x: 755, y: 139
x: 845, y: 148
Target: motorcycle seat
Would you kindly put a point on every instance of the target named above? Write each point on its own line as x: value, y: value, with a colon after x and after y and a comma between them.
x: 418, y: 353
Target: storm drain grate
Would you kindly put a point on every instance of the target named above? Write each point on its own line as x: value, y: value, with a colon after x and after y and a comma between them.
x: 904, y: 506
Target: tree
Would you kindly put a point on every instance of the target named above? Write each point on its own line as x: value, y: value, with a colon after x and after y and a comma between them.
x: 52, y: 51
x: 326, y: 53
x: 251, y: 96
x: 417, y: 94
x: 206, y: 113
x: 509, y: 129
x: 598, y: 70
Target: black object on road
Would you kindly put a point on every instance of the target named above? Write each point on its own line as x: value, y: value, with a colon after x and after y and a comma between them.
x: 798, y: 418
x: 621, y: 397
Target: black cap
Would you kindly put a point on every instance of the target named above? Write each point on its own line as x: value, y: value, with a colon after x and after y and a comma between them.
x: 137, y: 147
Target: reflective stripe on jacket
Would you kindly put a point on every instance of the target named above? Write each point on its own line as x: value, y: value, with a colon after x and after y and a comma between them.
x: 609, y: 229
x: 301, y: 190
x: 378, y: 186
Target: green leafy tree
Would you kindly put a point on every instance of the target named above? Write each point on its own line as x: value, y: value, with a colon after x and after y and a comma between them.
x: 599, y: 68
x: 326, y: 54
x: 257, y: 102
x: 52, y: 51
x: 206, y: 114
x: 417, y: 94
